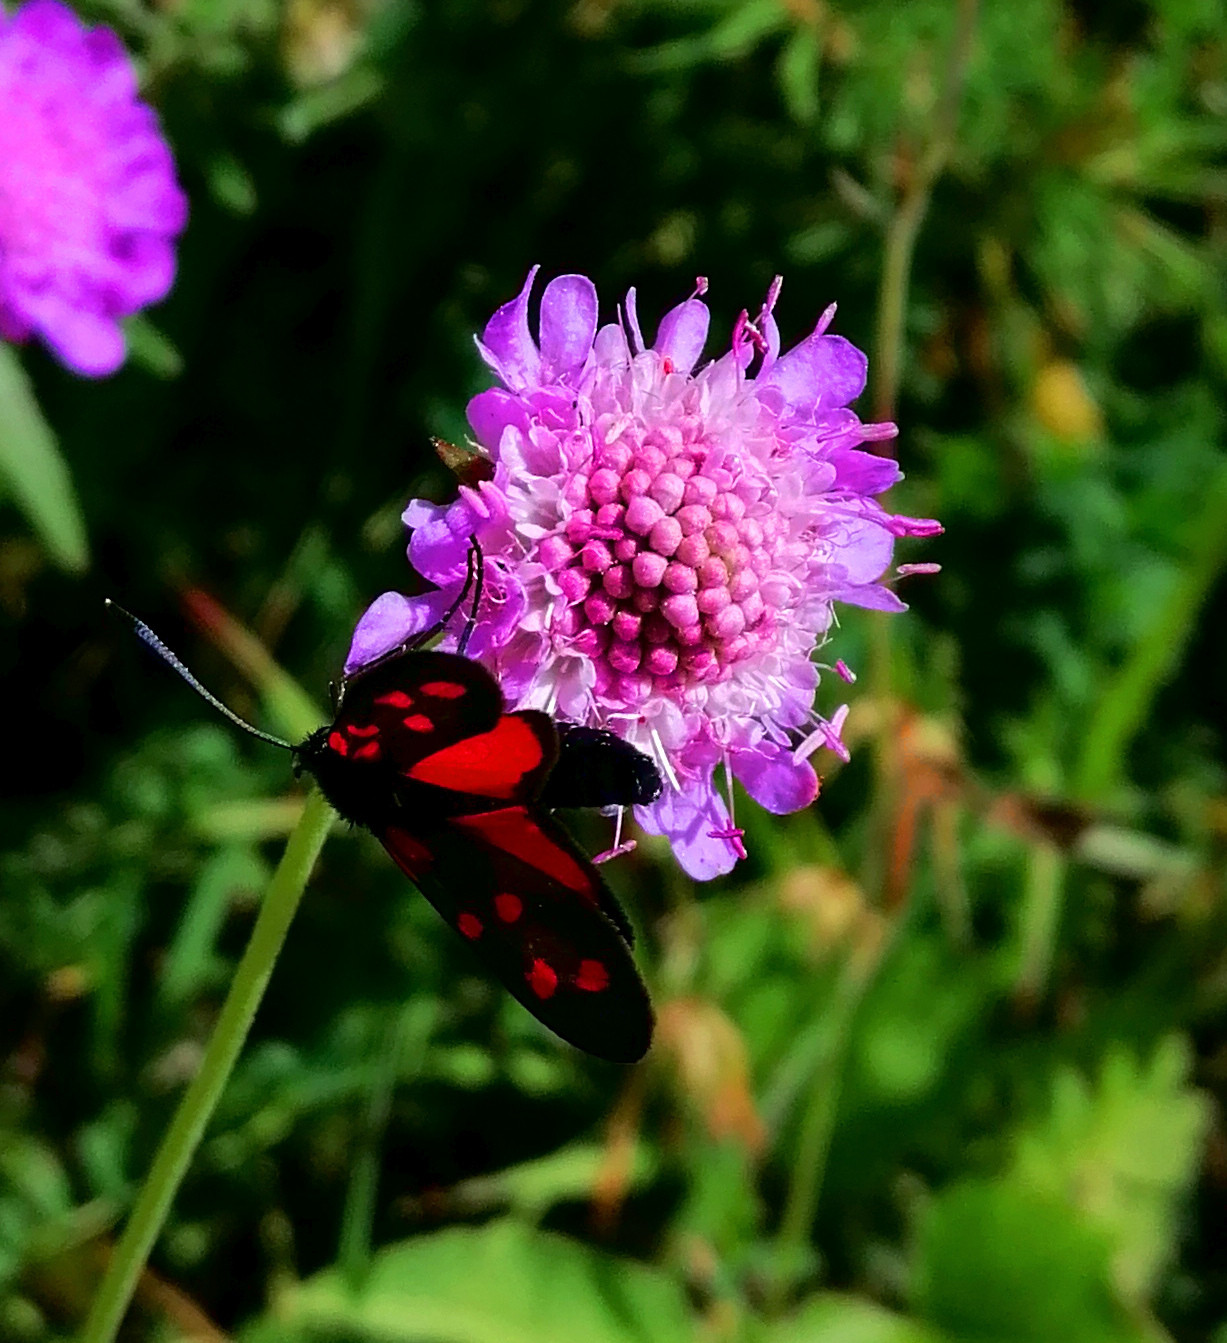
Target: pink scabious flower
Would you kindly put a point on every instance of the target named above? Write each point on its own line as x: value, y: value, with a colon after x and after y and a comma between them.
x: 89, y: 204
x: 663, y: 544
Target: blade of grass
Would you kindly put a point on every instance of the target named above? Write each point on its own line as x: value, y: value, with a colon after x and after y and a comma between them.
x: 402, y: 1050
x: 33, y: 471
x: 1040, y: 921
x: 197, y: 1106
x: 1131, y: 691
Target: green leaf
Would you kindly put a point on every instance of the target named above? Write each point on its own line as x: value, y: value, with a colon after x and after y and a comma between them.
x: 532, y: 1188
x: 231, y: 185
x: 317, y: 108
x: 913, y: 1021
x: 798, y: 69
x: 31, y: 1169
x: 191, y: 961
x: 501, y: 1283
x: 1129, y: 692
x: 734, y: 36
x: 1125, y: 1152
x: 151, y: 349
x: 1000, y: 1263
x: 833, y: 1318
x: 32, y: 470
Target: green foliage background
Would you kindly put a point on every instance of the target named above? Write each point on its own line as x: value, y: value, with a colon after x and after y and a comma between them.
x: 944, y: 1062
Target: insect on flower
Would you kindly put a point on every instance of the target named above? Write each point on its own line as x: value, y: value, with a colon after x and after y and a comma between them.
x: 665, y: 540
x: 460, y: 792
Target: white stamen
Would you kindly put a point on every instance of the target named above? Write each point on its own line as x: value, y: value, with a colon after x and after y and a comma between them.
x: 662, y: 759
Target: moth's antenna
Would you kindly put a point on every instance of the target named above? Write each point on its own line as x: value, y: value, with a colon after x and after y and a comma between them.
x: 473, y: 576
x: 477, y: 579
x: 148, y: 637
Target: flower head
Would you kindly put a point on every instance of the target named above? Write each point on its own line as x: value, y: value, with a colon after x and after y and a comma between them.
x: 89, y: 204
x: 663, y: 543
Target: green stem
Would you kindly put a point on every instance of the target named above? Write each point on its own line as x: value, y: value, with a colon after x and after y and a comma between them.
x: 821, y: 1111
x: 1040, y: 923
x: 402, y: 1049
x: 909, y: 215
x: 1129, y: 693
x: 195, y: 1110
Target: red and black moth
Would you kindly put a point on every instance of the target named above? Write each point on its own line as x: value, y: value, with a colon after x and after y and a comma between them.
x: 461, y: 793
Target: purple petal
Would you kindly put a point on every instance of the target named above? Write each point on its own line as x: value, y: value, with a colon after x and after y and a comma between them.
x: 568, y: 323
x: 85, y: 341
x: 632, y: 322
x: 610, y: 346
x: 774, y: 779
x: 391, y: 620
x: 491, y: 412
x: 770, y: 330
x: 864, y: 472
x: 48, y: 23
x: 687, y: 820
x: 151, y: 268
x: 439, y: 546
x: 510, y: 344
x: 683, y: 333
x: 503, y: 607
x: 865, y: 549
x: 768, y: 327
x: 873, y: 596
x: 821, y: 372
x: 901, y: 526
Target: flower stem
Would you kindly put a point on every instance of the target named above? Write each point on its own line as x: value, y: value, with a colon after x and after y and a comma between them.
x: 821, y: 1110
x: 1040, y: 923
x: 909, y: 215
x: 197, y: 1106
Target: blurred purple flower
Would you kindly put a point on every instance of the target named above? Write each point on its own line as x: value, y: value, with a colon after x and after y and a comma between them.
x: 663, y: 546
x: 89, y: 204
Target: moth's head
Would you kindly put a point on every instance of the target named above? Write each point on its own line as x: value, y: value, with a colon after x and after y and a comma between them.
x: 360, y: 789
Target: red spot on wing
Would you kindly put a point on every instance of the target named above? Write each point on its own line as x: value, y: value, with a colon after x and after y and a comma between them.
x: 396, y: 698
x: 542, y: 978
x: 444, y: 689
x: 491, y: 764
x: 369, y: 731
x: 469, y: 925
x: 592, y: 976
x: 418, y: 722
x: 370, y: 751
x: 666, y: 365
x: 508, y: 907
x: 338, y: 743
